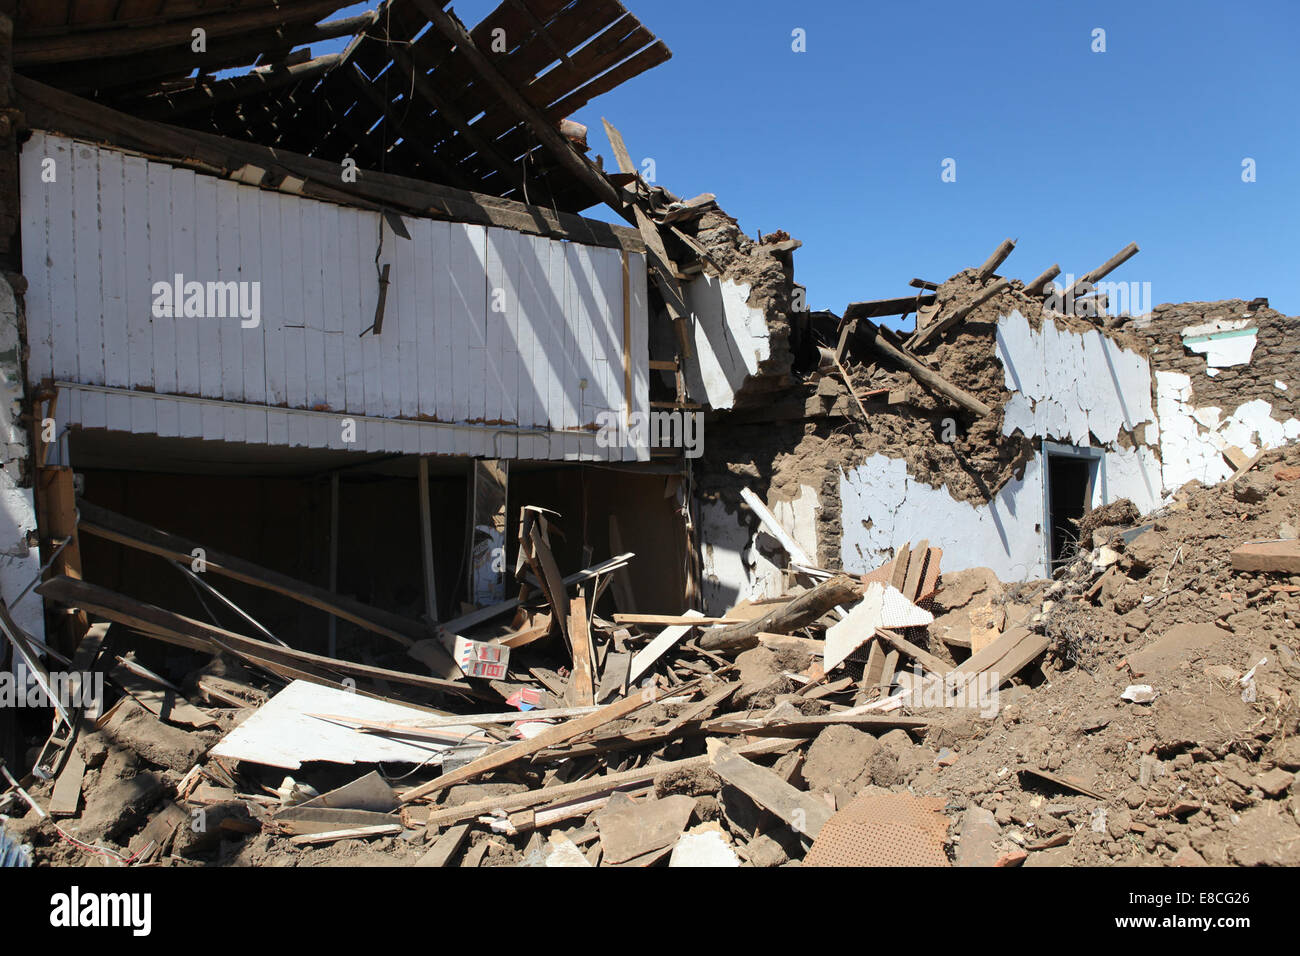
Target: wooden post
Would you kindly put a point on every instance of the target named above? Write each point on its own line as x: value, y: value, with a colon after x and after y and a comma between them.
x: 948, y: 321
x: 426, y: 542
x: 1103, y: 270
x: 925, y: 376
x: 56, y: 517
x: 999, y: 256
x: 1037, y: 285
x: 334, y: 559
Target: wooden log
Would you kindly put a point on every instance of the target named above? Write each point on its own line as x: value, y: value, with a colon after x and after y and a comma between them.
x: 936, y: 329
x: 784, y: 618
x: 930, y: 379
x: 1036, y: 286
x: 999, y: 256
x: 1103, y: 270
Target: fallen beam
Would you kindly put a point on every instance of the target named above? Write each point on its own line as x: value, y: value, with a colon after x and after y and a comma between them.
x: 106, y: 524
x: 784, y: 618
x: 927, y: 377
x: 195, y: 635
x: 557, y: 734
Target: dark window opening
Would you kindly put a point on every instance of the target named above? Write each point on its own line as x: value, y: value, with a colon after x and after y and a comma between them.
x: 1069, y: 482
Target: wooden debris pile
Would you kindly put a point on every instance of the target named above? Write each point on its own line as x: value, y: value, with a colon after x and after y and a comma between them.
x: 548, y: 735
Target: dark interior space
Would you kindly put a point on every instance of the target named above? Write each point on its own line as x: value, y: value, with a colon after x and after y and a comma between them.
x: 1069, y: 479
x: 282, y: 524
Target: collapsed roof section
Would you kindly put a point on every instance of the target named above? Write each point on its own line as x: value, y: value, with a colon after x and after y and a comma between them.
x: 414, y: 93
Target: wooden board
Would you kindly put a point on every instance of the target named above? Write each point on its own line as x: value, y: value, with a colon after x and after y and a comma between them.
x: 802, y: 812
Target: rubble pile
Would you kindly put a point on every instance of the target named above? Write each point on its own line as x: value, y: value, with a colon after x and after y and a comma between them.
x: 1139, y: 708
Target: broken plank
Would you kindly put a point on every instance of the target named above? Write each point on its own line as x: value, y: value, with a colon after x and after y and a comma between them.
x: 552, y: 736
x: 802, y: 812
x: 352, y: 833
x: 773, y: 527
x: 445, y: 847
x: 67, y: 788
x: 582, y: 686
x: 665, y: 639
x: 919, y: 654
x: 590, y: 787
x: 790, y: 616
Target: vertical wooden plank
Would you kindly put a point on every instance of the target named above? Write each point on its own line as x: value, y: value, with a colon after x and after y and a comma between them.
x: 34, y: 199
x: 422, y: 282
x: 444, y: 321
x: 87, y: 278
x: 251, y: 337
x: 508, y: 444
x: 525, y: 384
x: 553, y: 346
x: 371, y: 346
x: 295, y: 353
x: 161, y: 242
x: 310, y: 214
x: 498, y: 301
x: 208, y: 331
x: 185, y: 226
x: 139, y: 290
x: 332, y: 311
x: 273, y: 283
x: 640, y: 348
x: 62, y: 260
x: 232, y: 346
x: 464, y: 320
x: 402, y: 309
x: 352, y: 266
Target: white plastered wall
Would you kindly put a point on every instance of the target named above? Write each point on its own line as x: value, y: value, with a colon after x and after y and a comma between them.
x: 19, y: 562
x: 730, y: 337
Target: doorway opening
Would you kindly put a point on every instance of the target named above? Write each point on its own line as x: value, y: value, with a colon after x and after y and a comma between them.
x: 1070, y: 476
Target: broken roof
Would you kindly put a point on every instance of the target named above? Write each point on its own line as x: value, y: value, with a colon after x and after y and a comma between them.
x: 406, y: 96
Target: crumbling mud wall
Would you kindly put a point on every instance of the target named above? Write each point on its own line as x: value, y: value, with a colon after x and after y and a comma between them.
x: 916, y: 467
x: 1160, y: 400
x: 740, y: 327
x: 1227, y: 382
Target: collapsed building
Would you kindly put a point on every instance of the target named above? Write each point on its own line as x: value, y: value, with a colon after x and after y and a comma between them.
x: 319, y: 379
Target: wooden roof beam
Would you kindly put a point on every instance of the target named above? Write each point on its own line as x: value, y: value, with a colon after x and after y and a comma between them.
x: 123, y: 41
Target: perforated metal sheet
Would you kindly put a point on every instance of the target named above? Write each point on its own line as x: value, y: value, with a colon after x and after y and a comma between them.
x: 883, y: 829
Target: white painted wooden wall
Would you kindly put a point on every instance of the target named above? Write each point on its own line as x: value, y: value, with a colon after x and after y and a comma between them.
x: 448, y: 375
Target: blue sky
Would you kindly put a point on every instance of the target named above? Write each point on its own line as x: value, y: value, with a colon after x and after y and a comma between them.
x: 1074, y: 153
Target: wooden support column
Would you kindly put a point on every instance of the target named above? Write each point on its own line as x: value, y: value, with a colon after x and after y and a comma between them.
x: 56, y: 517
x: 426, y: 542
x: 334, y: 559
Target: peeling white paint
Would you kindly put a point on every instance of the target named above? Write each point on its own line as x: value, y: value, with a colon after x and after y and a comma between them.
x: 743, y: 564
x: 884, y: 509
x: 1192, y: 440
x: 19, y: 563
x: 799, y: 518
x: 731, y: 338
x: 734, y: 568
x: 1222, y: 349
x: 1065, y: 385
